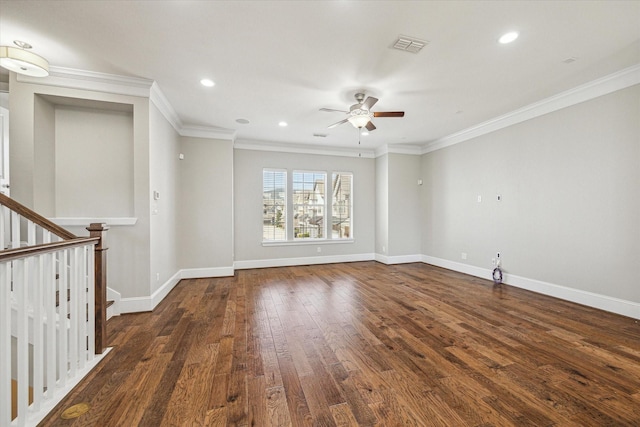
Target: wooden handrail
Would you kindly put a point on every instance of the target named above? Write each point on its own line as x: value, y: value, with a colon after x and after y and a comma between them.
x: 97, y: 238
x: 36, y: 218
x: 17, y: 253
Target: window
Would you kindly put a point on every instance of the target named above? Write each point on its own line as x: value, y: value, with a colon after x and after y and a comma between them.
x: 303, y: 206
x: 341, y: 205
x: 309, y: 205
x: 274, y: 205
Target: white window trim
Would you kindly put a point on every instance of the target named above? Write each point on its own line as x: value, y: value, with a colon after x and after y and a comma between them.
x: 350, y: 206
x: 286, y: 203
x: 328, y: 208
x: 324, y: 220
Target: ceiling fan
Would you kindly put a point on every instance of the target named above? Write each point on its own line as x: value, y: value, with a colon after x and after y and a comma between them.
x: 360, y: 114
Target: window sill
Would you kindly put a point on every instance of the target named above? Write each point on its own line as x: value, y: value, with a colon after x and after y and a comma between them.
x: 308, y: 242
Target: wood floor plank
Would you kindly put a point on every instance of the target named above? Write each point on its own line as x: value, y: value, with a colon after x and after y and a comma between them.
x: 362, y: 344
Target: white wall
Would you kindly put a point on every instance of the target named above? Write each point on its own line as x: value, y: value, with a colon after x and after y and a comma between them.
x: 93, y: 162
x: 206, y: 206
x: 164, y: 168
x: 44, y: 157
x: 404, y: 205
x: 570, y: 209
x: 33, y: 173
x: 248, y: 166
x: 382, y: 204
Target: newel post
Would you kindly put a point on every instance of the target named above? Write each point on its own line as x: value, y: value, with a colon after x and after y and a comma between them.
x: 100, y: 230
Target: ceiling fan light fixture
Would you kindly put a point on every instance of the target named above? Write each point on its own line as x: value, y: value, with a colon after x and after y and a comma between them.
x: 21, y: 61
x: 359, y: 120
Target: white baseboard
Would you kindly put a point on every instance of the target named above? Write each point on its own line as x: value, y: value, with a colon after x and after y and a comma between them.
x: 148, y: 303
x: 288, y: 262
x: 196, y: 273
x: 591, y: 299
x: 459, y: 267
x: 398, y: 259
x: 114, y: 310
x: 602, y: 302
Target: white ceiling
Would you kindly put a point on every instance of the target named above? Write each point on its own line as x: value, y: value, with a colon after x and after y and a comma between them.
x: 284, y: 60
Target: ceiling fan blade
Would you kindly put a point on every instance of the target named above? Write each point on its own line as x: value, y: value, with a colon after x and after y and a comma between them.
x: 370, y: 126
x: 369, y: 102
x: 388, y: 114
x: 331, y: 110
x: 337, y: 123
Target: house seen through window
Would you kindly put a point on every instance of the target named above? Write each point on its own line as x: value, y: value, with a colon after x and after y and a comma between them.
x: 274, y: 204
x: 306, y: 206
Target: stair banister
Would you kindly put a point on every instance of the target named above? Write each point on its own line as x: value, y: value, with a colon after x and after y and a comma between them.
x: 54, y: 261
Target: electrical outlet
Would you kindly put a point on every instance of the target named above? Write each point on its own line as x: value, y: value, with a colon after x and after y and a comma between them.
x: 464, y: 255
x: 493, y: 261
x: 157, y: 277
x: 319, y: 249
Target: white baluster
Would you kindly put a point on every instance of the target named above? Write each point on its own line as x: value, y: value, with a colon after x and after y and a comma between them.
x: 50, y: 312
x: 91, y: 297
x: 15, y: 230
x: 74, y: 312
x: 21, y: 276
x: 3, y: 231
x: 36, y: 278
x: 31, y: 233
x: 82, y: 308
x: 5, y: 343
x: 63, y: 350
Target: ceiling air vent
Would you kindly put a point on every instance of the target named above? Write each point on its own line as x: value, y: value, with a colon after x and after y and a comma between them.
x: 409, y: 44
x: 320, y: 135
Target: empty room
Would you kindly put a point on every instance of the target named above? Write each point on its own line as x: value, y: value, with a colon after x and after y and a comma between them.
x: 327, y: 213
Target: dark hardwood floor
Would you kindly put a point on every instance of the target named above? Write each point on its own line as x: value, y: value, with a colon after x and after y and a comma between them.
x: 363, y: 344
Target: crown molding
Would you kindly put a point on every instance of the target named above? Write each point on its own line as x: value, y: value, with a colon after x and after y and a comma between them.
x: 210, y: 132
x: 613, y: 82
x: 158, y: 99
x: 91, y: 80
x: 398, y: 149
x: 124, y: 85
x: 302, y: 149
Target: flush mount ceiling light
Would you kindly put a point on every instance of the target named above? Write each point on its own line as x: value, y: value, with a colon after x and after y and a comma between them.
x: 21, y: 61
x: 283, y: 124
x: 508, y: 37
x: 207, y: 83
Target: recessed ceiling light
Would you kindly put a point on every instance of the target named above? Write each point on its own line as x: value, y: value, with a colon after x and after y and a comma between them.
x: 207, y: 83
x: 508, y: 37
x: 283, y: 124
x: 365, y: 134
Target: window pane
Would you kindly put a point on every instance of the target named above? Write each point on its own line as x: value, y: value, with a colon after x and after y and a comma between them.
x: 341, y: 205
x: 308, y: 205
x: 274, y: 205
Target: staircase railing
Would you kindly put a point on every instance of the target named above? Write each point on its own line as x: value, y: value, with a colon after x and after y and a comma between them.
x: 52, y: 309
